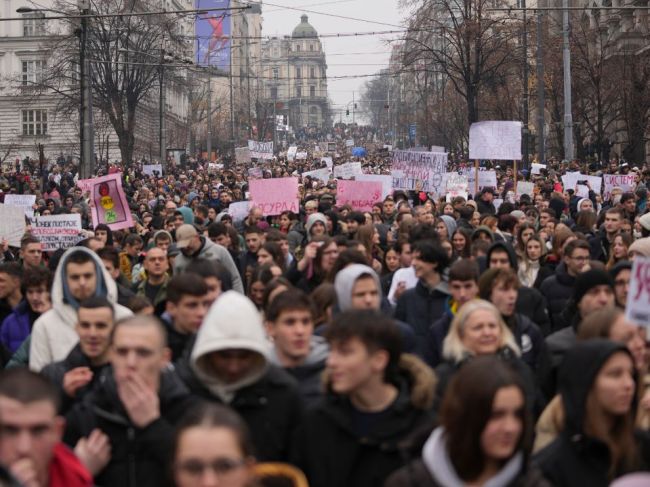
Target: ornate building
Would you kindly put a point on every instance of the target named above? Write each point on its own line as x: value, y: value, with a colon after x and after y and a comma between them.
x: 295, y: 78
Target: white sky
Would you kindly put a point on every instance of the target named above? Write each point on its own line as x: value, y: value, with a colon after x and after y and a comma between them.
x: 346, y: 56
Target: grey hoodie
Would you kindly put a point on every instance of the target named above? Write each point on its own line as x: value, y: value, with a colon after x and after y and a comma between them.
x: 344, y: 283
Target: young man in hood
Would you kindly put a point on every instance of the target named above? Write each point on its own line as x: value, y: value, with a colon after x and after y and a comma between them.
x: 194, y: 246
x: 290, y: 326
x: 376, y: 397
x: 79, y: 276
x: 231, y: 364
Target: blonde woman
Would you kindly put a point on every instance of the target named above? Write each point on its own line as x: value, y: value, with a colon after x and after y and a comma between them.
x: 477, y: 330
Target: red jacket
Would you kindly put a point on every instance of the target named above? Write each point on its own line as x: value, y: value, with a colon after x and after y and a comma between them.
x: 66, y: 470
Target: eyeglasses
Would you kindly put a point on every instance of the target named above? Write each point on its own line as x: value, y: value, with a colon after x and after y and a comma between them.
x: 220, y: 466
x: 579, y: 259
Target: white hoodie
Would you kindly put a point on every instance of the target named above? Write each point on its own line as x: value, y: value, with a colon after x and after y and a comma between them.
x: 53, y: 334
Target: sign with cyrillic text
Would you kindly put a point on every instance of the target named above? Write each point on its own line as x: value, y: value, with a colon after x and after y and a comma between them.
x: 637, y: 309
x: 360, y: 195
x: 58, y: 231
x: 275, y: 195
x: 419, y: 171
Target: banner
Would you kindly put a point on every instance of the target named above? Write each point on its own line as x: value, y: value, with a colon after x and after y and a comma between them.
x: 495, y: 140
x: 58, y: 231
x: 242, y: 155
x: 321, y: 174
x: 347, y: 170
x: 108, y: 202
x: 213, y: 34
x: 260, y: 150
x: 25, y: 201
x: 360, y: 195
x: 419, y: 171
x: 386, y: 181
x: 437, y: 148
x: 13, y: 224
x: 624, y: 181
x: 637, y: 309
x: 276, y: 195
x: 151, y: 169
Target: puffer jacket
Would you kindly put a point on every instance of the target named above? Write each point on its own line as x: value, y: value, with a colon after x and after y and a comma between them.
x: 17, y: 326
x: 557, y: 289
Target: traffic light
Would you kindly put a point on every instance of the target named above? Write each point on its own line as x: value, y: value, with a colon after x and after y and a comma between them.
x: 347, y: 112
x: 355, y: 106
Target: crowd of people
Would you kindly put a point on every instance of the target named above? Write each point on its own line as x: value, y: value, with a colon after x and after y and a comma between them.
x: 431, y: 341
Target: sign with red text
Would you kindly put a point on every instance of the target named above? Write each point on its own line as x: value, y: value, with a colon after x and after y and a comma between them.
x: 627, y: 182
x: 58, y: 231
x: 419, y: 171
x: 360, y: 195
x: 108, y: 202
x: 275, y: 195
x: 637, y: 309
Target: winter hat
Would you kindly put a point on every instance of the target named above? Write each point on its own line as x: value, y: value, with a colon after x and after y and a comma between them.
x: 313, y: 218
x: 518, y: 214
x: 557, y: 205
x: 580, y: 202
x: 642, y: 246
x: 620, y: 266
x: 645, y: 221
x: 589, y: 280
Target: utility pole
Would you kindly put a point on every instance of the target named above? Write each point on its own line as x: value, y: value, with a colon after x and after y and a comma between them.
x: 232, y: 107
x: 86, y: 109
x: 566, y: 58
x: 524, y: 160
x: 540, y: 90
x: 209, y: 141
x: 161, y: 109
x: 353, y: 105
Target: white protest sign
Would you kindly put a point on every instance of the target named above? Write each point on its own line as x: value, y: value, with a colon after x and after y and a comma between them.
x: 624, y: 181
x: 347, y: 170
x: 349, y: 143
x: 301, y: 156
x: 58, y: 231
x: 321, y: 174
x: 419, y: 171
x: 327, y: 160
x: 242, y: 155
x: 214, y: 166
x: 486, y: 179
x: 571, y: 180
x: 537, y: 168
x: 386, y: 181
x: 13, y: 224
x: 25, y: 201
x: 291, y: 153
x: 260, y: 150
x: 525, y: 187
x: 238, y: 210
x: 151, y: 169
x: 637, y: 309
x: 495, y: 140
x: 456, y: 185
x: 331, y: 147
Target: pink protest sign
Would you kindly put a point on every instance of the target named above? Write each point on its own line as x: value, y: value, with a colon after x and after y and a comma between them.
x: 360, y: 195
x: 107, y: 201
x: 275, y: 195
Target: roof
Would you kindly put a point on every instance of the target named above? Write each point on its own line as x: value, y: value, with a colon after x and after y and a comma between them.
x: 304, y: 29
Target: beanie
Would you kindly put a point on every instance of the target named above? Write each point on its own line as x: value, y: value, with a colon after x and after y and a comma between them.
x: 589, y: 280
x: 645, y: 221
x: 620, y: 266
x: 641, y: 246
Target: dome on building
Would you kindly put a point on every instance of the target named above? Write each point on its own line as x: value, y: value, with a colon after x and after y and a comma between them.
x: 304, y: 29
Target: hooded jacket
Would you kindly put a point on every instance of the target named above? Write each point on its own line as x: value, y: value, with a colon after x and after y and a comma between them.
x: 17, y: 326
x: 267, y: 397
x: 557, y: 289
x: 53, y: 334
x: 139, y: 456
x: 332, y: 452
x: 575, y: 458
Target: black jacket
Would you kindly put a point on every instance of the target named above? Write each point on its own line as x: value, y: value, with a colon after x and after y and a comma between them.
x: 271, y: 407
x: 139, y: 457
x: 331, y: 448
x: 557, y: 290
x: 574, y: 458
x: 599, y: 246
x: 485, y: 208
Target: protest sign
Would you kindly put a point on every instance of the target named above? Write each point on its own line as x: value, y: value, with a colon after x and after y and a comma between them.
x: 537, y: 168
x: 238, y: 210
x: 260, y: 150
x: 360, y: 195
x: 255, y: 172
x: 291, y: 153
x: 58, y: 231
x: 25, y: 201
x: 419, y: 171
x: 349, y: 143
x: 331, y: 147
x: 571, y: 180
x: 301, y: 156
x: 276, y: 195
x: 437, y: 148
x: 242, y: 155
x: 327, y: 160
x: 108, y: 203
x: 495, y: 140
x: 386, y: 181
x: 525, y: 187
x: 624, y: 181
x: 486, y: 179
x: 347, y: 170
x: 214, y: 166
x: 456, y: 185
x: 152, y: 169
x: 13, y: 224
x: 321, y: 174
x: 637, y: 309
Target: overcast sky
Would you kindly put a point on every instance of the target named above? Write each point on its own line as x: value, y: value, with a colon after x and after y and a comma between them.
x: 346, y: 56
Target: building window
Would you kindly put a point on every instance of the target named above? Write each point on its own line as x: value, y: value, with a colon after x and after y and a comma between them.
x: 274, y: 93
x: 276, y: 73
x: 34, y: 122
x: 34, y: 24
x: 298, y: 91
x: 298, y: 47
x: 311, y: 47
x: 312, y: 72
x: 298, y: 73
x: 33, y: 72
x: 312, y: 91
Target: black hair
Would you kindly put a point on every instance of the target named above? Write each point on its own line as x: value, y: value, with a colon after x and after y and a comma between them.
x: 291, y: 299
x: 109, y: 254
x: 11, y: 268
x: 185, y: 284
x: 35, y: 277
x: 27, y: 387
x: 95, y: 302
x: 433, y: 253
x: 211, y: 268
x: 217, y: 229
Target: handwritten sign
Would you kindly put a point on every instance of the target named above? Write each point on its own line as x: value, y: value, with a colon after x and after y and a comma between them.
x: 291, y: 153
x: 347, y: 170
x: 320, y: 174
x: 238, y: 210
x: 152, y: 169
x: 637, y: 308
x: 495, y: 140
x: 386, y: 181
x: 537, y: 168
x: 260, y: 150
x: 13, y: 224
x: 349, y: 143
x: 419, y: 171
x: 242, y: 155
x: 255, y: 172
x: 25, y: 201
x: 301, y: 156
x: 57, y: 231
x: 525, y: 187
x: 360, y: 195
x: 109, y: 205
x: 275, y: 195
x: 624, y: 181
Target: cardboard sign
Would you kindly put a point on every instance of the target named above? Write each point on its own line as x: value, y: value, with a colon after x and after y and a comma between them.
x: 419, y: 171
x: 525, y: 187
x: 349, y: 143
x: 58, y: 231
x: 537, y: 168
x: 637, y: 309
x: 275, y: 195
x: 108, y: 202
x: 386, y: 181
x: 260, y: 150
x: 238, y: 210
x: 347, y: 170
x: 13, y: 224
x: 242, y: 155
x: 360, y: 195
x: 25, y: 201
x: 151, y: 169
x: 320, y: 174
x: 624, y: 181
x: 495, y: 140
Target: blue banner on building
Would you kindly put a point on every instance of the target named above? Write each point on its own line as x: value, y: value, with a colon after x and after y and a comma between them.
x: 213, y: 34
